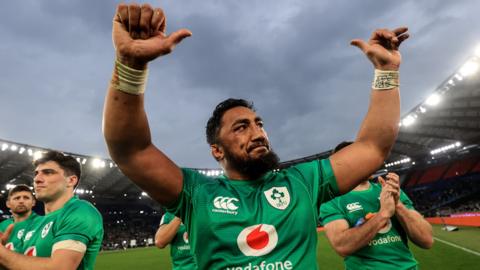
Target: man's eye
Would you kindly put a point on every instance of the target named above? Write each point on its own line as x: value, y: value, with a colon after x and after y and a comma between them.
x: 239, y: 128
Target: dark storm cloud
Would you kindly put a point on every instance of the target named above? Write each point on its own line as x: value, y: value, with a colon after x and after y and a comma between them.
x: 292, y: 58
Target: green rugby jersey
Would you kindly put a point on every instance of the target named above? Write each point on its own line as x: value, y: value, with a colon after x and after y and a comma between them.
x: 268, y: 223
x: 389, y: 248
x: 14, y: 242
x: 180, y: 252
x: 77, y: 220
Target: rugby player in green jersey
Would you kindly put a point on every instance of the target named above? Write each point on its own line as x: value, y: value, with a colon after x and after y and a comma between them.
x: 254, y: 216
x: 20, y: 201
x: 370, y: 226
x: 70, y: 234
x: 172, y: 231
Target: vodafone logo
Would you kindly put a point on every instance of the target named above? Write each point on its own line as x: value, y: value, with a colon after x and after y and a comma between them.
x: 257, y: 240
x: 31, y: 251
x: 10, y: 246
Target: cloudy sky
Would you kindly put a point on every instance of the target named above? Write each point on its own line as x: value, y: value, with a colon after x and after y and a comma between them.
x: 292, y: 58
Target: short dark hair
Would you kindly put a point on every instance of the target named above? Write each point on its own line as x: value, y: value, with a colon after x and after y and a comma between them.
x: 215, y: 121
x: 19, y: 188
x: 68, y: 163
x: 341, y: 145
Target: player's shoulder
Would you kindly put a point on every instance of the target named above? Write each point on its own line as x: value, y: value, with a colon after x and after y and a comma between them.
x: 4, y: 224
x: 82, y: 208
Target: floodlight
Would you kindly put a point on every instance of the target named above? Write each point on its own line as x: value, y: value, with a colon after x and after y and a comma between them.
x: 30, y: 152
x: 37, y: 155
x: 468, y: 68
x: 407, y: 121
x: 4, y: 146
x: 13, y: 147
x: 422, y: 109
x: 433, y: 100
x: 22, y: 149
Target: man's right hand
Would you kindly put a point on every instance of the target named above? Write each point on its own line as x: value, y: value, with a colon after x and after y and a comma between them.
x: 387, y: 201
x: 139, y: 35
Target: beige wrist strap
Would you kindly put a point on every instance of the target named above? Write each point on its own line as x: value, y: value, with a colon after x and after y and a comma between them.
x: 129, y: 80
x: 385, y: 79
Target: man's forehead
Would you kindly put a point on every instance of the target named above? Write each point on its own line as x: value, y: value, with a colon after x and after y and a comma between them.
x: 238, y: 113
x: 48, y: 165
x: 21, y: 193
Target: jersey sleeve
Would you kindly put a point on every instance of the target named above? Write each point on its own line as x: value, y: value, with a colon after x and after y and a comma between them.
x: 80, y: 223
x: 406, y: 200
x: 330, y: 211
x: 318, y: 177
x: 183, y: 207
x: 166, y: 218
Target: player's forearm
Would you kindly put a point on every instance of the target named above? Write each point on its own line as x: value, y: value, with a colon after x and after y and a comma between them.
x: 418, y: 229
x: 125, y: 124
x: 166, y: 233
x: 14, y: 261
x: 380, y: 126
x: 356, y: 238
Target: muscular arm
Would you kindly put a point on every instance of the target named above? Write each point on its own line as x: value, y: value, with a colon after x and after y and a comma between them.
x: 379, y: 129
x: 419, y: 231
x: 347, y: 240
x: 139, y: 37
x: 61, y: 259
x: 167, y: 232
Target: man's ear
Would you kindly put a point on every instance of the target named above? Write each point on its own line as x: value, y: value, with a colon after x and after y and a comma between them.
x: 217, y: 152
x: 72, y: 180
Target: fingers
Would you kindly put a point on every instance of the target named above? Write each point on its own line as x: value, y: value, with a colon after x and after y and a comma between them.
x: 4, y: 237
x: 145, y: 21
x: 362, y: 45
x: 381, y: 180
x: 158, y: 19
x: 399, y: 31
x: 134, y: 12
x: 121, y: 15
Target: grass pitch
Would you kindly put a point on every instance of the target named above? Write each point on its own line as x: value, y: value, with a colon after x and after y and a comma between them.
x: 441, y: 256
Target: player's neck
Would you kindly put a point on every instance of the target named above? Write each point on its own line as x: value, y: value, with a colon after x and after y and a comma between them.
x: 19, y: 218
x: 362, y: 186
x: 58, y: 203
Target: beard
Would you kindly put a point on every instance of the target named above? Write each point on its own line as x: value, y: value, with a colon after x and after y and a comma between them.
x: 253, y: 168
x: 21, y: 210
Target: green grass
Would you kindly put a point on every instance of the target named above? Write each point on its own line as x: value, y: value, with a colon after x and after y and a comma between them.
x: 441, y: 256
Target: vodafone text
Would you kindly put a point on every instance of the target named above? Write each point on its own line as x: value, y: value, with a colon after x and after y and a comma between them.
x: 286, y: 265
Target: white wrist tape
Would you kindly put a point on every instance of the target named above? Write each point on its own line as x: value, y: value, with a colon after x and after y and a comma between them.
x: 129, y: 80
x: 385, y: 79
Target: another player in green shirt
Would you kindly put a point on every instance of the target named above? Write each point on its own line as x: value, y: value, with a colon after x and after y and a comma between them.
x: 370, y: 226
x: 172, y: 231
x: 20, y: 201
x: 256, y: 216
x: 69, y: 236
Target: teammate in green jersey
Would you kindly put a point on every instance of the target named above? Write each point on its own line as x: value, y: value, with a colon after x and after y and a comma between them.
x: 253, y: 217
x: 20, y: 201
x: 172, y: 231
x: 370, y: 226
x: 69, y: 236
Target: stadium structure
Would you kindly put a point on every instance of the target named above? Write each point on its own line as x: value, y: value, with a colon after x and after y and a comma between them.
x: 437, y: 155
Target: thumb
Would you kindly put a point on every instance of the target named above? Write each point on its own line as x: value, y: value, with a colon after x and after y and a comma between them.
x: 177, y: 36
x: 381, y: 181
x: 362, y: 45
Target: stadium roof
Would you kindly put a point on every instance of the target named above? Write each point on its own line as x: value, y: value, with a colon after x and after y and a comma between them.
x: 446, y: 125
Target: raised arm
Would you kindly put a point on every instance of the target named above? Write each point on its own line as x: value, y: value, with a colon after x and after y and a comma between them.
x: 139, y: 37
x: 379, y: 129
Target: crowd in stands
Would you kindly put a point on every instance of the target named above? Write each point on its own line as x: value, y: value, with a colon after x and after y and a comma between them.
x: 444, y: 197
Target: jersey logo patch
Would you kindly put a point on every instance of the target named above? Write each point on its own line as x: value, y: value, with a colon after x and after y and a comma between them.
x: 46, y: 229
x: 355, y: 206
x: 20, y: 233
x: 278, y: 197
x: 29, y: 235
x: 257, y: 240
x: 225, y: 205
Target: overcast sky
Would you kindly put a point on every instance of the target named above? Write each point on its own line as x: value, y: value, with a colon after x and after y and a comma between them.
x: 292, y: 58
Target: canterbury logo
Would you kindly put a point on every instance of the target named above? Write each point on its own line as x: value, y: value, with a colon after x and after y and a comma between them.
x: 354, y: 206
x: 226, y: 203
